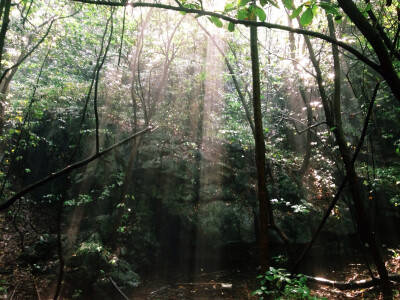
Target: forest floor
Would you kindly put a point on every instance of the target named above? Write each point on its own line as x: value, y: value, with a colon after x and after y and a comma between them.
x: 25, y: 282
x: 241, y: 283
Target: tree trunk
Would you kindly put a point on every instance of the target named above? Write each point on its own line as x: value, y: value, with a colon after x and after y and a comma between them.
x: 373, y: 37
x: 263, y: 197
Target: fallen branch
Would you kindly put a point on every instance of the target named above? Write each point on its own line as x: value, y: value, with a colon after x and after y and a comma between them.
x: 15, y: 290
x: 220, y: 284
x: 70, y: 168
x: 37, y: 291
x: 118, y: 289
x: 159, y: 290
x: 351, y: 285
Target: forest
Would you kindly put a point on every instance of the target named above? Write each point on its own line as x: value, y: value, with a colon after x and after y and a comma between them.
x: 199, y: 149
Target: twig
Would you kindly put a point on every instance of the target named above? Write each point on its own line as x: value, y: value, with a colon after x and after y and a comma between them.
x: 37, y: 291
x: 122, y: 36
x: 99, y: 65
x: 159, y: 290
x: 14, y: 291
x: 118, y: 289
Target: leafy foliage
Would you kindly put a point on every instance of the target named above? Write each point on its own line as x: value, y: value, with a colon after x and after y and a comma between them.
x: 279, y: 284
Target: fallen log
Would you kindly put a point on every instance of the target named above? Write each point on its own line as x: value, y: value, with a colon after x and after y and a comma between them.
x: 351, y: 285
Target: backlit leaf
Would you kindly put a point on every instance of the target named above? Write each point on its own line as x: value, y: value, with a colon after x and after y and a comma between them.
x: 229, y: 7
x: 296, y: 12
x: 260, y: 14
x: 306, y: 17
x: 241, y: 3
x: 243, y: 14
x: 329, y: 9
x: 231, y: 27
x: 216, y: 21
x: 288, y: 4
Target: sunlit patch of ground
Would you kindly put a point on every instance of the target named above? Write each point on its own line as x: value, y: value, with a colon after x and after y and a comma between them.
x: 355, y: 273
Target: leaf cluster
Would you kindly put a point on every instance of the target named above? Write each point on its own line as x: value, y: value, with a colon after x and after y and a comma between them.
x: 280, y: 285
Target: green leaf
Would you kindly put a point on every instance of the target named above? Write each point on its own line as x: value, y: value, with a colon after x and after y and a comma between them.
x: 306, y: 17
x: 231, y: 27
x: 241, y: 3
x: 296, y: 12
x: 288, y: 4
x: 329, y: 9
x: 229, y: 7
x: 243, y: 14
x: 261, y: 14
x: 216, y: 21
x: 314, y: 9
x: 263, y: 2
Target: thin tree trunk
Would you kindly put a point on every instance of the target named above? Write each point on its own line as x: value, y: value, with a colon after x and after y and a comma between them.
x: 263, y: 198
x: 4, y: 26
x: 333, y: 118
x: 373, y: 37
x: 134, y: 151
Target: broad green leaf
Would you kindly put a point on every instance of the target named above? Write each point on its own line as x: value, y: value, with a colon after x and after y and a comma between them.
x: 216, y: 21
x: 229, y: 7
x: 288, y: 4
x: 329, y: 9
x: 263, y: 2
x: 243, y: 14
x: 368, y: 7
x: 241, y: 3
x: 260, y: 14
x: 314, y: 9
x: 306, y: 17
x: 231, y: 27
x: 296, y: 12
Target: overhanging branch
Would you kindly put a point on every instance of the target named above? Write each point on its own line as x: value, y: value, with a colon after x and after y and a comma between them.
x: 200, y: 12
x: 69, y: 168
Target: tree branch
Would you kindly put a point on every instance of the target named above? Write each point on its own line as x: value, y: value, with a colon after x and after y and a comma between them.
x: 200, y: 12
x: 70, y: 168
